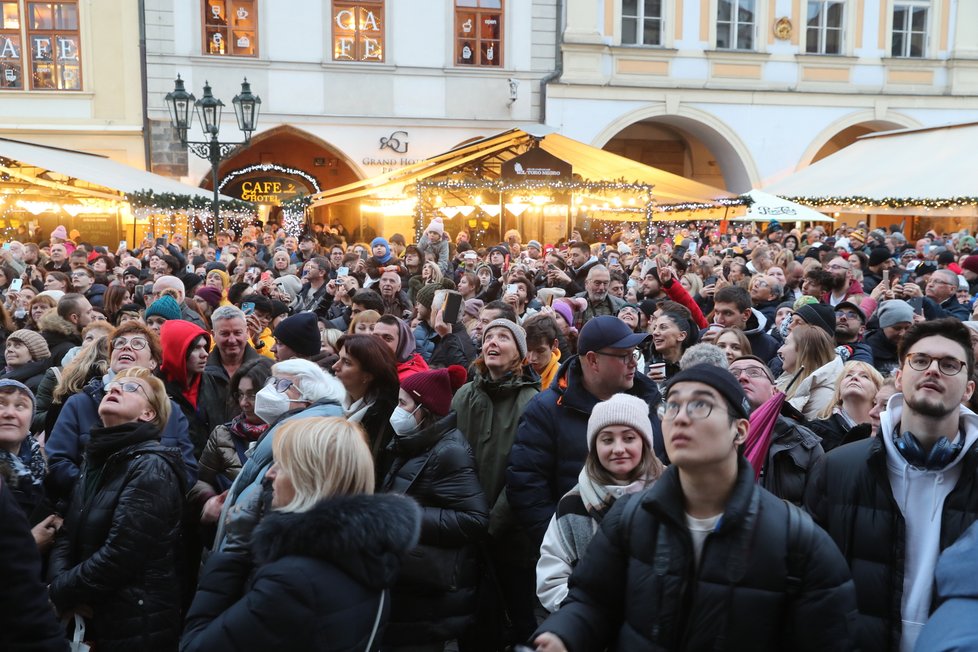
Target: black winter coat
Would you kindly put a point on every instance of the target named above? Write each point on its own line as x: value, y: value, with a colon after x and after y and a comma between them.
x: 835, y: 432
x: 884, y: 352
x: 27, y: 621
x: 551, y: 444
x: 637, y: 588
x: 317, y: 580
x: 30, y: 374
x: 61, y: 335
x: 454, y: 348
x: 377, y: 424
x: 849, y: 495
x: 794, y: 452
x: 117, y: 550
x: 435, y: 595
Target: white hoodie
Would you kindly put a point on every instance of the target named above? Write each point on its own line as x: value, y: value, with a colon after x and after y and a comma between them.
x: 920, y: 495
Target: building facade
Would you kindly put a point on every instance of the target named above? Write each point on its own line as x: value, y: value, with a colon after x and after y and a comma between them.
x: 349, y: 89
x: 739, y: 93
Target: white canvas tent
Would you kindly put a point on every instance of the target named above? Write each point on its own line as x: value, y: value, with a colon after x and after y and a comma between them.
x: 767, y: 207
x: 928, y: 171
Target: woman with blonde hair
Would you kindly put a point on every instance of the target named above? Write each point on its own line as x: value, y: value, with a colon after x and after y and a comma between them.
x: 846, y: 417
x: 363, y: 323
x: 809, y: 353
x: 321, y: 563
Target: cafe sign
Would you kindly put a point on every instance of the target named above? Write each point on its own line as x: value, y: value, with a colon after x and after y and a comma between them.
x: 536, y: 165
x: 268, y: 184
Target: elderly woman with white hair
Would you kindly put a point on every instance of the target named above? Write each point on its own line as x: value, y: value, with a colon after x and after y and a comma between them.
x: 297, y: 388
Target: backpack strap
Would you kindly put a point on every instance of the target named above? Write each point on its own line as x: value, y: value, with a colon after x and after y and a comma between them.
x: 801, y: 530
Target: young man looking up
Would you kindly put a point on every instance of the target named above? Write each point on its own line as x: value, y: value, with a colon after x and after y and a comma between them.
x: 705, y: 555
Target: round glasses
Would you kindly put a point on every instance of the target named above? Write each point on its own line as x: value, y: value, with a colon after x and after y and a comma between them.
x: 244, y: 396
x: 128, y: 387
x: 922, y: 362
x: 134, y: 343
x: 695, y: 409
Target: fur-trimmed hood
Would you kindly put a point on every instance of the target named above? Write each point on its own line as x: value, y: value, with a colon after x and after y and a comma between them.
x: 52, y: 322
x: 365, y: 536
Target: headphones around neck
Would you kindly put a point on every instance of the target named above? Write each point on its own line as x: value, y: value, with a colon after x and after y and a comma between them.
x: 942, y: 454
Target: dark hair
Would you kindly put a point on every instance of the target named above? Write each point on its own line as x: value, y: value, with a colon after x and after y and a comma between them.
x: 261, y: 302
x: 733, y: 294
x: 236, y: 292
x: 375, y: 357
x: 668, y: 305
x: 582, y: 246
x: 258, y: 370
x: 171, y: 262
x: 949, y: 327
x: 64, y: 278
x: 390, y: 320
x: 822, y: 277
x: 685, y: 325
x: 505, y: 310
x: 474, y: 280
x: 541, y: 329
x: 369, y: 299
x: 114, y: 297
x: 69, y: 304
x: 321, y: 262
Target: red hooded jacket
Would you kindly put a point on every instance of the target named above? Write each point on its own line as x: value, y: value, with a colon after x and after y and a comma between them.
x: 176, y: 336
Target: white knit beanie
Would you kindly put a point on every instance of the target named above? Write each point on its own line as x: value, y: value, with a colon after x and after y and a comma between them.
x: 620, y: 410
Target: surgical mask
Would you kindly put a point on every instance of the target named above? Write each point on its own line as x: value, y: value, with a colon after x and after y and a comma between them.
x: 403, y: 421
x: 270, y: 404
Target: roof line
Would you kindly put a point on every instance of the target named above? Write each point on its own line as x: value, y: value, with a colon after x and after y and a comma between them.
x: 57, y: 149
x: 914, y: 130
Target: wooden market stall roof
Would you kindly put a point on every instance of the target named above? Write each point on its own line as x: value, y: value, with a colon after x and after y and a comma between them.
x: 909, y: 171
x: 591, y: 163
x: 68, y: 172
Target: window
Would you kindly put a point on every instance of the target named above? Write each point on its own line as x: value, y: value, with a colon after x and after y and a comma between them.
x: 735, y: 24
x: 641, y: 22
x: 909, y: 29
x: 479, y: 33
x: 53, y: 55
x: 231, y: 27
x: 358, y: 31
x: 824, y: 34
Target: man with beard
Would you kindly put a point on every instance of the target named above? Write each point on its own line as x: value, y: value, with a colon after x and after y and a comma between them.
x: 599, y: 301
x: 844, y: 286
x: 892, y: 503
x: 850, y: 324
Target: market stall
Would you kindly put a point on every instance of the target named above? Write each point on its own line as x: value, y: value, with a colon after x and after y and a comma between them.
x: 105, y: 201
x: 530, y: 179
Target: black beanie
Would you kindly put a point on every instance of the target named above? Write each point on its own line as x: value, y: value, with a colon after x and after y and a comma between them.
x: 300, y: 333
x: 819, y: 314
x: 719, y: 379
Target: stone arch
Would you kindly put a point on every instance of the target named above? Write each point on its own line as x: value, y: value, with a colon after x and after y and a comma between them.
x: 845, y: 131
x: 700, y: 130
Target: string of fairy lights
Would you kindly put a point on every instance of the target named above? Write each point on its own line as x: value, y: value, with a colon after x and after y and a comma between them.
x: 859, y: 202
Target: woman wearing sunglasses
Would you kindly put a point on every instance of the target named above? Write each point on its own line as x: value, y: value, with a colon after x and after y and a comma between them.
x: 114, y: 561
x: 133, y: 345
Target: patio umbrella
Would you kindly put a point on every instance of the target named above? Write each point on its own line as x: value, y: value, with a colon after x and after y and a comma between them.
x: 762, y: 422
x: 766, y: 207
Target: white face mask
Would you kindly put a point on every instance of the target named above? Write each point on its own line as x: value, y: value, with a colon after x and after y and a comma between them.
x: 270, y: 404
x: 403, y: 422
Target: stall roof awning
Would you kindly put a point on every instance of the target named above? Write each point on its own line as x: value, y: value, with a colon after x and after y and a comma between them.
x: 87, y: 174
x: 591, y: 163
x: 898, y: 172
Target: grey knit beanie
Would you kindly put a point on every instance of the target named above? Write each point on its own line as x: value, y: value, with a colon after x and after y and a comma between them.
x: 518, y: 333
x: 620, y: 410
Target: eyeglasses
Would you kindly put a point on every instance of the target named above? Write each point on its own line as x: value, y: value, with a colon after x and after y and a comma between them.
x: 934, y: 279
x: 837, y: 266
x: 134, y: 343
x: 281, y: 385
x: 695, y: 409
x: 624, y: 358
x: 127, y: 387
x: 922, y: 362
x: 752, y: 372
x: 247, y: 396
x: 848, y: 314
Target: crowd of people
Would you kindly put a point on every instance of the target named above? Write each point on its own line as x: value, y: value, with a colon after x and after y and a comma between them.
x: 679, y: 440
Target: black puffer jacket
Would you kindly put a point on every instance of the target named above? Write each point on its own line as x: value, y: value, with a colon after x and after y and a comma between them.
x: 434, y: 599
x: 849, y: 495
x: 884, y: 352
x: 30, y: 374
x: 117, y: 550
x: 794, y: 452
x: 835, y: 431
x: 638, y: 585
x: 60, y: 335
x: 320, y: 575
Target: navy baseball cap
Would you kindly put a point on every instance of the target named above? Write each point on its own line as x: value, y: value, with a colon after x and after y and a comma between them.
x: 607, y: 332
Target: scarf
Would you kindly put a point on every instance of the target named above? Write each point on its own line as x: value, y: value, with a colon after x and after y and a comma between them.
x: 598, y: 499
x: 249, y: 432
x: 106, y: 441
x: 29, y: 465
x: 355, y: 410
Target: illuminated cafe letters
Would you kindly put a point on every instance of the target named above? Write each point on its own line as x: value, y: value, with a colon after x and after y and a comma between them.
x: 358, y: 31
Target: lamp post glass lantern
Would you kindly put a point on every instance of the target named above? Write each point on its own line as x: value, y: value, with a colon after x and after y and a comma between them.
x: 208, y: 108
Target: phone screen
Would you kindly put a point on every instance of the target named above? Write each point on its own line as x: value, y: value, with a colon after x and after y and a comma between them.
x: 886, y: 276
x: 511, y: 288
x: 248, y: 308
x: 123, y: 244
x: 266, y: 275
x: 16, y: 284
x: 342, y: 271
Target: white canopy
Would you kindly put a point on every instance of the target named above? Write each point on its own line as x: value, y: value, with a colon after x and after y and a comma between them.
x: 910, y: 171
x: 766, y: 207
x: 83, y: 173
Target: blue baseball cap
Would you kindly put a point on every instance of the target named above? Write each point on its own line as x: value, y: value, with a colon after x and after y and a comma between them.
x: 606, y: 332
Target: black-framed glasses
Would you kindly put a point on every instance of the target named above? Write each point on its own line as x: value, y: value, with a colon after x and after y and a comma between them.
x: 281, y: 385
x: 695, y: 409
x: 624, y: 358
x: 921, y: 362
x: 128, y: 387
x: 248, y: 396
x: 752, y: 372
x: 134, y: 343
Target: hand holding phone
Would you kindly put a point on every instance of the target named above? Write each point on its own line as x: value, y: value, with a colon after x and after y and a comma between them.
x: 248, y: 308
x: 342, y: 271
x: 886, y: 277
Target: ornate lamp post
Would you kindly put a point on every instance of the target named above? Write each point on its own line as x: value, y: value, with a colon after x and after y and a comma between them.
x: 246, y: 108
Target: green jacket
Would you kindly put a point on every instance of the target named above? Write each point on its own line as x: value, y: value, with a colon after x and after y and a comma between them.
x: 488, y: 413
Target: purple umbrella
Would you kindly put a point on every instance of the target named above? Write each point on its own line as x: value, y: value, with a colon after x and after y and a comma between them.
x: 762, y: 421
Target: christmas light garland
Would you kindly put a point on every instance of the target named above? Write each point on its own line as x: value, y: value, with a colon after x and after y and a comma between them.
x: 886, y: 202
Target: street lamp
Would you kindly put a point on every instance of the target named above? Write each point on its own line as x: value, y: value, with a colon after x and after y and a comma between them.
x: 246, y: 108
